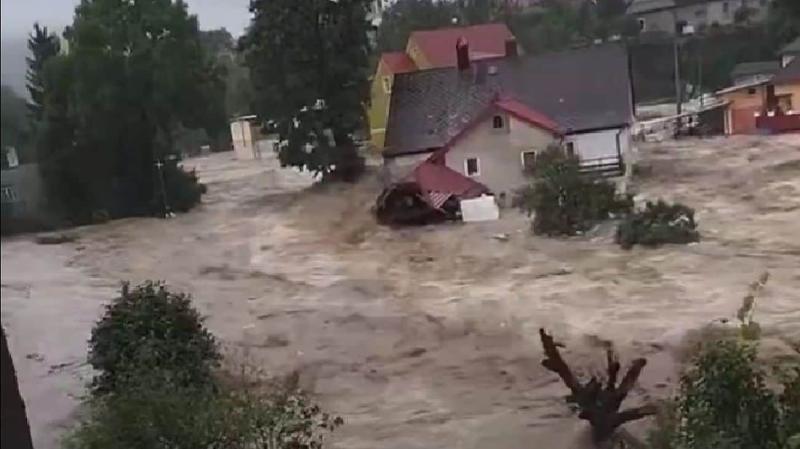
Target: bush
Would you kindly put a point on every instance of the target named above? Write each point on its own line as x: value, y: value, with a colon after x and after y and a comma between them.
x: 657, y: 224
x: 724, y: 402
x: 147, y: 328
x: 183, y: 189
x: 565, y: 201
x: 152, y: 414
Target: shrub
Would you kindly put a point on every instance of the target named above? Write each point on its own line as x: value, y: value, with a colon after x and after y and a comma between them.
x: 156, y: 415
x: 657, y: 224
x: 724, y: 402
x: 183, y: 188
x: 565, y: 201
x: 146, y: 328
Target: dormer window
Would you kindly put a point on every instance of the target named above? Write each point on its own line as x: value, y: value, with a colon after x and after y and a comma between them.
x: 497, y: 122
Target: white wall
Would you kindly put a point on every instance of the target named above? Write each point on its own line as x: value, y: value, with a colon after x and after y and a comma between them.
x: 601, y: 144
x: 242, y: 138
x: 499, y: 152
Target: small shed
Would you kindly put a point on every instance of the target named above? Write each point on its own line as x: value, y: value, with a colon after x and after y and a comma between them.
x: 245, y: 134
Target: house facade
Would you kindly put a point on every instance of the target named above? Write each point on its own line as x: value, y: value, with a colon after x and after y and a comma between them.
x: 488, y: 119
x: 424, y: 50
x: 667, y: 16
x: 790, y: 51
x: 755, y: 106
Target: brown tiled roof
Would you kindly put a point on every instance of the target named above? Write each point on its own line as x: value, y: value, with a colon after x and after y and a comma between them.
x: 485, y: 40
x: 579, y: 89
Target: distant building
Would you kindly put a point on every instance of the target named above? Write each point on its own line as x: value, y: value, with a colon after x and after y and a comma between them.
x: 749, y: 72
x: 790, y: 52
x: 667, y: 16
x: 764, y: 105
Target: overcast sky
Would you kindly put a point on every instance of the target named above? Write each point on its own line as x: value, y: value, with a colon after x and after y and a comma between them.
x: 18, y: 16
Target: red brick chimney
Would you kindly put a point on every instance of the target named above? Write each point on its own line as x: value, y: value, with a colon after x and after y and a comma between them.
x: 462, y: 53
x: 511, y: 48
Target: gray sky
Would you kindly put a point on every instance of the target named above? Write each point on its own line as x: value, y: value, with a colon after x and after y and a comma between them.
x: 18, y: 16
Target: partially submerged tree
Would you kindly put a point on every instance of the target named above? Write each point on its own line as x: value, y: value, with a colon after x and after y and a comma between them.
x: 658, y: 223
x: 598, y: 400
x: 134, y: 73
x: 564, y: 200
x: 308, y: 62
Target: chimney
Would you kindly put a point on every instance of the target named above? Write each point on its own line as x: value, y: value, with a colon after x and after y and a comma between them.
x: 511, y: 48
x: 462, y: 53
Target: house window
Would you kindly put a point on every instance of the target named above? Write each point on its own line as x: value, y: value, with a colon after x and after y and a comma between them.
x: 570, y: 149
x: 528, y: 160
x: 751, y: 91
x: 387, y: 84
x: 472, y: 166
x: 642, y: 24
x: 785, y: 102
x: 701, y: 12
x: 497, y: 122
x: 725, y: 7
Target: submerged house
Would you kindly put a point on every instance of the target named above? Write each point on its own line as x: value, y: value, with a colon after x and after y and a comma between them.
x: 487, y: 119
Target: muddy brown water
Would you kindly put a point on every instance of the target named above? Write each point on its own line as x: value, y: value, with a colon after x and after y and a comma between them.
x: 426, y: 337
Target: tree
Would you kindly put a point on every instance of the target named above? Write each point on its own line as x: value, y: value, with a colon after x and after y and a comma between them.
x: 42, y: 45
x: 565, y: 200
x: 146, y: 329
x: 15, y: 430
x: 657, y: 224
x: 308, y: 62
x: 15, y: 123
x: 405, y: 16
x: 599, y: 401
x: 135, y: 72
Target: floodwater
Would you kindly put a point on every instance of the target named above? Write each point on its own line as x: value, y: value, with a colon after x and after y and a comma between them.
x: 425, y: 337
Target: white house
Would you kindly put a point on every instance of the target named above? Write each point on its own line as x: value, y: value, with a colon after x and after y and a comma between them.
x: 488, y: 119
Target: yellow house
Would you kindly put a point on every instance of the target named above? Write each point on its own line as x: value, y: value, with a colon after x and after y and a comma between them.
x: 428, y: 50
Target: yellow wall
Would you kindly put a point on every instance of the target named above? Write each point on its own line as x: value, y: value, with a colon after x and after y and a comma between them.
x: 379, y: 105
x: 416, y: 55
x: 790, y: 89
x: 742, y: 99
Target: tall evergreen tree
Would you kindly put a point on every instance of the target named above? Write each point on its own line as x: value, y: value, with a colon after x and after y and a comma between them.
x: 135, y: 73
x: 308, y: 62
x: 42, y: 45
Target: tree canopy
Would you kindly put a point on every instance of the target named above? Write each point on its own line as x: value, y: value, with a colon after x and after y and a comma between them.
x: 135, y: 72
x: 308, y: 62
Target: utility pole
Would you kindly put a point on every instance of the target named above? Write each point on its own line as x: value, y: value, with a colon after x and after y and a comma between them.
x: 676, y: 60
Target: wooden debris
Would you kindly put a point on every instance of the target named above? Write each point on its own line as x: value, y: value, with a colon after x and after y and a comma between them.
x: 598, y: 403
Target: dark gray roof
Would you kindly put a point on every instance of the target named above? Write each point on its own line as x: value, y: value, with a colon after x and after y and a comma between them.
x: 581, y: 89
x: 792, y: 47
x: 788, y: 74
x: 755, y: 68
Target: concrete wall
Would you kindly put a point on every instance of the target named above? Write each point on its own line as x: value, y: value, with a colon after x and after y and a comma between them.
x: 499, y: 152
x: 23, y: 193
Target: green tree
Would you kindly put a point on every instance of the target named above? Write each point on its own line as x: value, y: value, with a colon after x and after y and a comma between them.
x: 308, y: 62
x: 405, y: 16
x: 15, y: 123
x: 135, y: 72
x: 42, y: 45
x: 150, y: 328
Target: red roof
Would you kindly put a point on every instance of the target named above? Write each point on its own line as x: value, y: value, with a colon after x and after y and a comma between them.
x: 436, y: 179
x: 513, y: 107
x: 398, y: 62
x: 439, y: 46
x: 527, y: 114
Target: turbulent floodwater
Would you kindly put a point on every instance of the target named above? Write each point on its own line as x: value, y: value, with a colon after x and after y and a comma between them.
x: 426, y: 337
